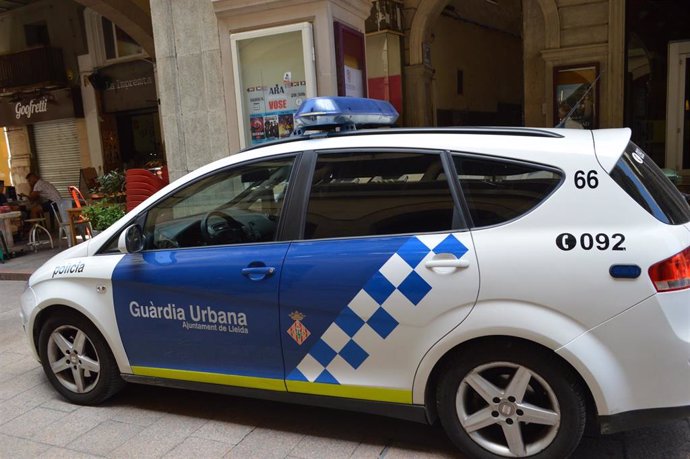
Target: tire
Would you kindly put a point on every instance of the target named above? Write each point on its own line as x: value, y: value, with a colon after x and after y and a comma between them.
x: 486, y: 400
x: 84, y: 372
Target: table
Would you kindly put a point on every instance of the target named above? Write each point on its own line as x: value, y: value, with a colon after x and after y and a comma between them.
x: 6, y: 227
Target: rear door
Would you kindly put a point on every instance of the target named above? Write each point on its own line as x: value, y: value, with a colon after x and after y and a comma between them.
x: 385, y: 268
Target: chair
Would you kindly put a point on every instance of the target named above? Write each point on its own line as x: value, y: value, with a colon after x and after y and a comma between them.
x: 38, y: 227
x: 139, y: 185
x: 77, y: 197
x: 64, y: 227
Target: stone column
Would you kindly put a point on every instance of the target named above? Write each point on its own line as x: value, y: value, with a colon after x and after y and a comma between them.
x: 192, y: 103
x: 418, y: 102
x: 20, y: 149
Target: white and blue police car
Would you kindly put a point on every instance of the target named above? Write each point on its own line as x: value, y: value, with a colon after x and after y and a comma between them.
x: 512, y: 283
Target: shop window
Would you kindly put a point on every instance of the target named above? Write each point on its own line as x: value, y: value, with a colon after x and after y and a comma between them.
x: 274, y: 72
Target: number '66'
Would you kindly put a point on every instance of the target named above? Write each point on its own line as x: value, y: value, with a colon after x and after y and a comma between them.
x: 582, y: 181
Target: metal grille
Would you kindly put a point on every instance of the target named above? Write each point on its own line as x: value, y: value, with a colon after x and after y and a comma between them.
x: 57, y: 149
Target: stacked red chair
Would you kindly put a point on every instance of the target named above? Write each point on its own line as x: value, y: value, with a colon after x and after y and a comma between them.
x: 140, y: 184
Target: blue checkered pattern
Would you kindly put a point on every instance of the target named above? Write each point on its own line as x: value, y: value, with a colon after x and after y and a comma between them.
x: 369, y: 318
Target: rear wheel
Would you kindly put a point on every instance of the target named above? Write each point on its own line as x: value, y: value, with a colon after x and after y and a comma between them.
x: 511, y: 400
x: 77, y: 360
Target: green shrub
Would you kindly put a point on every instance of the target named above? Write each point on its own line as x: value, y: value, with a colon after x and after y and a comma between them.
x: 102, y: 214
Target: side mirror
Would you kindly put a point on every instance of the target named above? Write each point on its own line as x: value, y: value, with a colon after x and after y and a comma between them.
x: 131, y: 240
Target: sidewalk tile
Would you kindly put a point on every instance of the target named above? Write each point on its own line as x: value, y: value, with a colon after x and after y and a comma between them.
x: 104, y: 438
x: 70, y: 427
x: 160, y: 437
x: 266, y: 443
x: 22, y: 403
x: 21, y: 448
x: 224, y: 431
x: 64, y: 453
x: 199, y: 447
x: 32, y: 422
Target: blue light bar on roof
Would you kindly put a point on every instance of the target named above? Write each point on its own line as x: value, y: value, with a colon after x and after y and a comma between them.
x: 323, y: 113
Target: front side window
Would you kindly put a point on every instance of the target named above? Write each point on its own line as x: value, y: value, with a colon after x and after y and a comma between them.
x: 497, y: 191
x: 234, y: 206
x: 368, y: 194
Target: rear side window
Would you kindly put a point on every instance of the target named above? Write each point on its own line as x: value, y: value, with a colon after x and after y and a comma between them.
x: 637, y: 174
x: 497, y: 191
x: 369, y: 194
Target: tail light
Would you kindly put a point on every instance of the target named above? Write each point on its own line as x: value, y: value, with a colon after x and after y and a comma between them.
x: 672, y: 273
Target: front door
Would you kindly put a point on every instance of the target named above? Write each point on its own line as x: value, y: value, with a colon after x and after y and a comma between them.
x: 385, y: 270
x: 200, y: 303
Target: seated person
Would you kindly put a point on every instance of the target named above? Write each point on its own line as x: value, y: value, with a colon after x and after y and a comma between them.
x: 42, y: 194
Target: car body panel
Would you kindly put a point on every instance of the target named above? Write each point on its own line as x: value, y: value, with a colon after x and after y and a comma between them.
x: 373, y: 308
x: 193, y: 310
x: 337, y: 320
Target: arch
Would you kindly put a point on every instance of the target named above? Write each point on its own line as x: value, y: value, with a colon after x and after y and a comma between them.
x: 427, y: 11
x: 132, y: 16
x: 552, y: 23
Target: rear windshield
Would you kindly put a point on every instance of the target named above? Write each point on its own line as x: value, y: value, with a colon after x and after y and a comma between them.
x: 637, y: 174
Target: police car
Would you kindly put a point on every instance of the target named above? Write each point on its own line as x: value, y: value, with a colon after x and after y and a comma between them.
x: 512, y: 283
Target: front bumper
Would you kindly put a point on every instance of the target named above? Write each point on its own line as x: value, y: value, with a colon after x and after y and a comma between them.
x: 27, y: 315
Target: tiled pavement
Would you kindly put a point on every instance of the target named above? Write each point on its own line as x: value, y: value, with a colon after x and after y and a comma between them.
x: 24, y: 262
x: 154, y: 422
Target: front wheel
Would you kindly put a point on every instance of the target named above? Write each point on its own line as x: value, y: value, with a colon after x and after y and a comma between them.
x: 511, y: 400
x: 77, y: 360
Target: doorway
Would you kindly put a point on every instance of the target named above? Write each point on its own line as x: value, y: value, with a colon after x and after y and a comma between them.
x: 678, y: 107
x: 476, y: 52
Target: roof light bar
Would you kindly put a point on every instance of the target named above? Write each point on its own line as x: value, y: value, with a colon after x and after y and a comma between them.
x: 343, y: 113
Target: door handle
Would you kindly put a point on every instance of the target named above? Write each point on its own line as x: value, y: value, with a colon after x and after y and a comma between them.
x: 257, y: 273
x: 447, y: 263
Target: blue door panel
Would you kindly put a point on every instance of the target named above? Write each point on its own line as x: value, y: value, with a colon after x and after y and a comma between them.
x: 195, y: 310
x: 320, y: 278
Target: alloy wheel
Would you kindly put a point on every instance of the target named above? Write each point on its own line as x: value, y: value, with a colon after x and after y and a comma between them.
x: 508, y: 409
x: 73, y: 359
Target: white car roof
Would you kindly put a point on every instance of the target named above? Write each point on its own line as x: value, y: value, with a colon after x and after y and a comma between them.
x: 531, y: 144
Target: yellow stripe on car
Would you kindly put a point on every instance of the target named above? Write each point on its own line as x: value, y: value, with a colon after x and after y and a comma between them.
x: 378, y: 394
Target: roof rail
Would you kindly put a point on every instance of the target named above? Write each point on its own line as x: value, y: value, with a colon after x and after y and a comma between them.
x: 483, y: 130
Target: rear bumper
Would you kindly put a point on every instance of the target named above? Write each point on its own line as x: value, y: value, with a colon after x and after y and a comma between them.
x: 641, y: 418
x: 638, y: 363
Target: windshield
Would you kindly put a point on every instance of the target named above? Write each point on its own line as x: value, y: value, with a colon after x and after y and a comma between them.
x: 637, y: 174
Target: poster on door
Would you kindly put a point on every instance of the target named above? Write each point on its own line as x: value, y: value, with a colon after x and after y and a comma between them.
x: 271, y: 109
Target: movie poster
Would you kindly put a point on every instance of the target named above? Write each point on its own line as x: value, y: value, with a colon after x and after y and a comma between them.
x: 272, y: 108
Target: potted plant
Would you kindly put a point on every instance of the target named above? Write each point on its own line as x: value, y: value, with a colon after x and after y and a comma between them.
x: 111, y: 185
x: 103, y: 213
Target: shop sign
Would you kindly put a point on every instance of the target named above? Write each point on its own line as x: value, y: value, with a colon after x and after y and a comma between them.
x: 128, y: 86
x: 41, y: 106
